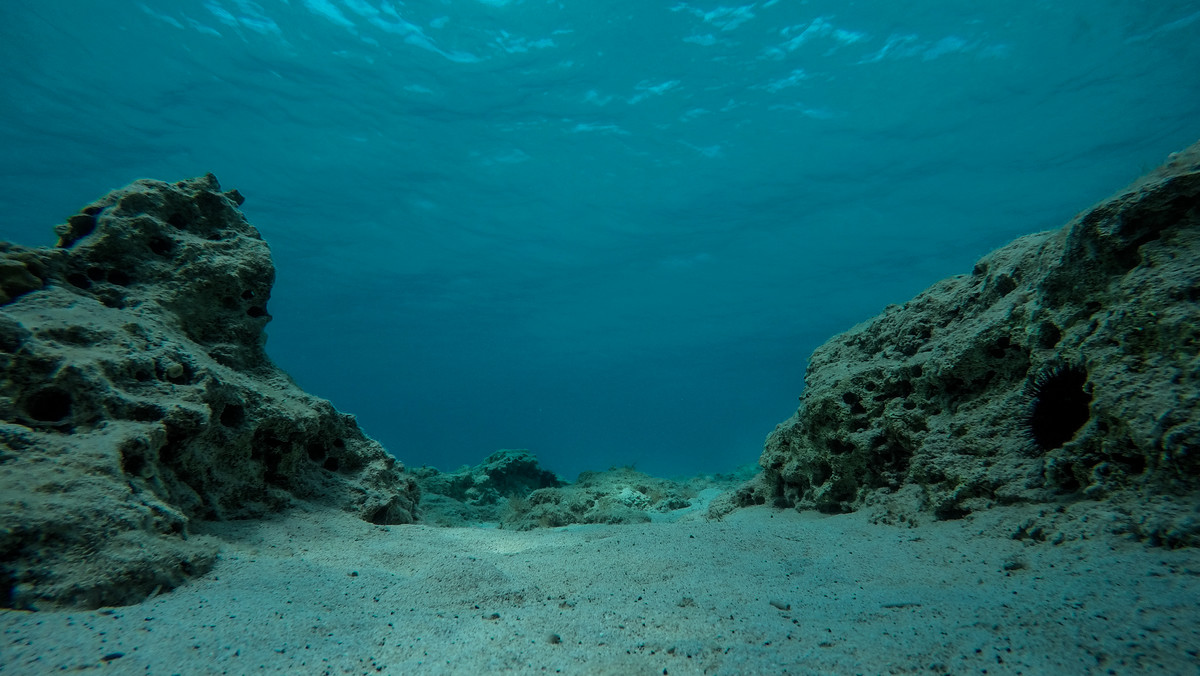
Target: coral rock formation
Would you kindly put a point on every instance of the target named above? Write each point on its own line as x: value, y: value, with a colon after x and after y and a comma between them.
x: 137, y: 396
x: 617, y: 496
x: 1064, y: 367
x: 478, y: 494
x: 511, y: 489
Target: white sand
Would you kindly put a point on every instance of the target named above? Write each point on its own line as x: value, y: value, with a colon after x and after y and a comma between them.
x: 319, y: 592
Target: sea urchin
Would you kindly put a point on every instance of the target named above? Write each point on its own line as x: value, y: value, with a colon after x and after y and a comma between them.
x: 1058, y: 406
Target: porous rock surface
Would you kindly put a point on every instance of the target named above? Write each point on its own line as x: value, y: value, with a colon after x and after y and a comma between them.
x: 1064, y: 369
x: 136, y: 396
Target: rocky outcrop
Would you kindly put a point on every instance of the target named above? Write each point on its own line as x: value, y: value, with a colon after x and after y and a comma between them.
x: 617, y: 496
x: 137, y: 397
x: 1065, y: 367
x: 477, y: 494
x: 512, y: 490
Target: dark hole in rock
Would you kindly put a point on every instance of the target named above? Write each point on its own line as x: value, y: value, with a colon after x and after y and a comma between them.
x: 838, y: 447
x: 141, y: 376
x: 256, y: 311
x: 1005, y: 284
x: 844, y: 491
x: 44, y: 365
x: 851, y: 398
x: 7, y: 586
x: 870, y: 386
x: 821, y: 473
x: 1063, y: 475
x: 1058, y: 406
x: 79, y: 280
x: 339, y: 443
x: 999, y: 348
x: 247, y: 294
x: 1131, y: 255
x: 12, y: 336
x: 896, y: 390
x: 1133, y: 464
x: 894, y: 457
x: 899, y: 459
x: 233, y: 415
x: 917, y: 371
x: 147, y: 413
x: 96, y: 274
x: 119, y: 277
x: 172, y: 449
x: 954, y: 386
x: 271, y: 462
x: 178, y: 220
x: 114, y: 302
x: 316, y: 452
x: 133, y: 462
x: 1048, y: 335
x: 908, y: 405
x: 380, y: 516
x: 162, y: 246
x: 331, y: 464
x: 49, y: 404
x: 950, y: 512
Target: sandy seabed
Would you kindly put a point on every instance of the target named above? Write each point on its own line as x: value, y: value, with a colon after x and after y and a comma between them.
x: 762, y: 591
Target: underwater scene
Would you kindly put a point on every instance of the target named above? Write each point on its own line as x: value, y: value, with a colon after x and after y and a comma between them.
x: 528, y: 336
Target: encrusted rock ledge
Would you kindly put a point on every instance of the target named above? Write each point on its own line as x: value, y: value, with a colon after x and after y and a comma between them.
x: 137, y: 396
x: 1064, y: 369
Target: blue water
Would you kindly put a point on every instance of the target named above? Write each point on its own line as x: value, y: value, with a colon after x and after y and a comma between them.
x: 610, y: 232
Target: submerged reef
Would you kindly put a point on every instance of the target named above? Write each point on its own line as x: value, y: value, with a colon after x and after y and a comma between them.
x: 479, y: 493
x: 137, y: 397
x: 617, y: 496
x: 511, y: 490
x: 1064, y: 369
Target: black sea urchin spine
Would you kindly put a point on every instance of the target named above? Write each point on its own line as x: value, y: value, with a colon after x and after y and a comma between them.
x: 1058, y: 405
